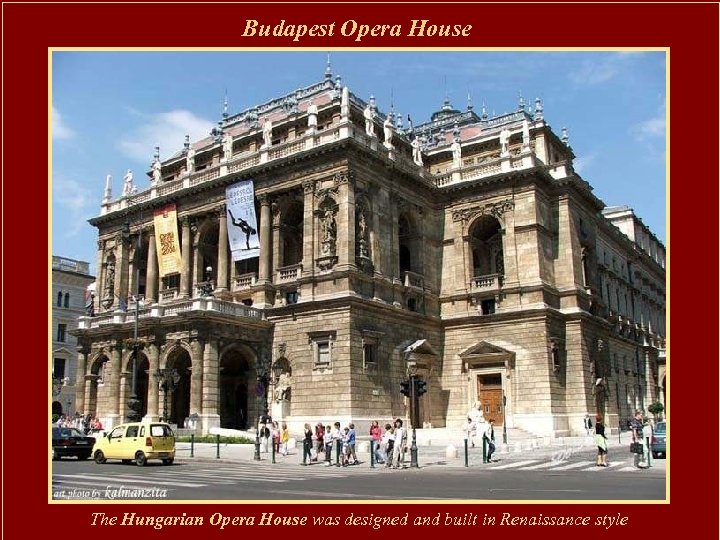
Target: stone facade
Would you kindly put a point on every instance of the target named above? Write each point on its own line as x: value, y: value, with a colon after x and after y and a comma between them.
x: 482, y: 265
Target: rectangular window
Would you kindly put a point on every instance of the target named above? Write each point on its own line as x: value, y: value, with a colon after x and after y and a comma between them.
x: 59, y: 368
x: 291, y: 297
x: 369, y: 355
x: 322, y: 346
x: 323, y: 354
x: 488, y: 306
x: 61, y: 329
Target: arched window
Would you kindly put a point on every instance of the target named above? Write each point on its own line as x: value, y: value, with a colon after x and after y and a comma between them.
x: 292, y: 234
x: 409, y: 245
x: 486, y: 247
x: 67, y: 300
x: 59, y: 299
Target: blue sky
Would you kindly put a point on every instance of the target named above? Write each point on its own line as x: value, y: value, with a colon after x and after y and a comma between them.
x: 110, y: 109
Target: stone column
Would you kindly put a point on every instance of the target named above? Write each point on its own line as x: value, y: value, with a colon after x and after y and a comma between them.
x: 115, y: 382
x: 151, y: 283
x: 125, y: 378
x: 122, y: 268
x: 265, y: 248
x: 210, y: 374
x: 308, y: 228
x: 345, y: 249
x: 394, y: 237
x: 153, y: 355
x: 186, y: 256
x: 222, y: 271
x: 80, y: 378
x: 196, y: 377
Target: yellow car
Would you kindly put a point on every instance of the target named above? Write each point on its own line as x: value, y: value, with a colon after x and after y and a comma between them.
x: 137, y: 441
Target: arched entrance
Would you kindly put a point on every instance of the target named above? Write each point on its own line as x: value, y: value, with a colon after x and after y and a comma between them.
x: 56, y: 408
x: 233, y: 387
x: 179, y: 401
x: 486, y: 247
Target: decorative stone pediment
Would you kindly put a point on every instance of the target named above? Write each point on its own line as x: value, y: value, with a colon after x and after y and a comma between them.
x: 493, y: 209
x: 484, y: 353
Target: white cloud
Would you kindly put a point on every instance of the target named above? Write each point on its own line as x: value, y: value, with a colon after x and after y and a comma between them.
x: 651, y: 128
x: 600, y: 70
x: 59, y: 130
x: 582, y: 163
x: 74, y: 203
x: 71, y: 194
x: 165, y: 129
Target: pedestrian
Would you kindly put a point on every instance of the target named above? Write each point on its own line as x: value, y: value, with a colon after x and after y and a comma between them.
x: 489, y: 437
x: 337, y: 439
x: 600, y: 441
x: 328, y: 440
x: 284, y: 438
x: 352, y: 440
x: 587, y: 422
x: 388, y: 442
x: 376, y: 441
x: 276, y: 437
x: 307, y: 444
x: 320, y: 439
x: 399, y: 442
x: 470, y: 431
x: 636, y: 425
x: 345, y: 437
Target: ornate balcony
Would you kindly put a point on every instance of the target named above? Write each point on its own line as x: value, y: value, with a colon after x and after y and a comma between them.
x: 288, y: 274
x: 244, y: 282
x: 489, y: 282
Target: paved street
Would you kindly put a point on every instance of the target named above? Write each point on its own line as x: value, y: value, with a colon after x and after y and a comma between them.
x: 540, y: 475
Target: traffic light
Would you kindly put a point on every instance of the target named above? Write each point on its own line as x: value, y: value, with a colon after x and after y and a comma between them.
x: 420, y: 387
x: 405, y: 388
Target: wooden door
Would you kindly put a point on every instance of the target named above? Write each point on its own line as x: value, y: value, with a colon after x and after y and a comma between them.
x: 490, y: 396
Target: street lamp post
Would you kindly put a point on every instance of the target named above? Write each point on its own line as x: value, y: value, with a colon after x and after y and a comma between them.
x: 134, y: 403
x: 168, y: 379
x: 261, y: 392
x: 412, y: 379
x: 504, y: 403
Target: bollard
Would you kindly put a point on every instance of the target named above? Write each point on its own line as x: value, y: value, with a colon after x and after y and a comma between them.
x: 305, y: 451
x: 273, y: 450
x: 192, y: 445
x: 466, y: 453
x: 372, y: 454
x: 338, y: 450
x: 217, y: 446
x: 649, y: 451
x: 484, y: 450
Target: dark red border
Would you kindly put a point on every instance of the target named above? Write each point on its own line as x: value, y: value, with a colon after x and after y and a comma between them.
x: 691, y: 33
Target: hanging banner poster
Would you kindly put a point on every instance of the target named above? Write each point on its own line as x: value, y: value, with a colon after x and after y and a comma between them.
x: 166, y: 240
x: 242, y: 224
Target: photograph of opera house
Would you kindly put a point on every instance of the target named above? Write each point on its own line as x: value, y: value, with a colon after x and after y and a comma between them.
x: 313, y: 250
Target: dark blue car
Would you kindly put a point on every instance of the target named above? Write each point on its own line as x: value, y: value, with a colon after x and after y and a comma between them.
x: 659, y: 440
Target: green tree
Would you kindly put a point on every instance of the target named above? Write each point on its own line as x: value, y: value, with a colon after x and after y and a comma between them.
x: 656, y: 408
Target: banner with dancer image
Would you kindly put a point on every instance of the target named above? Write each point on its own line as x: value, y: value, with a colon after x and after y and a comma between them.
x: 242, y: 224
x: 166, y: 240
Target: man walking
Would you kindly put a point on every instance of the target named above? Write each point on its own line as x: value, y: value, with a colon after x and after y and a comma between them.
x: 399, y: 445
x: 489, y: 437
x: 636, y: 425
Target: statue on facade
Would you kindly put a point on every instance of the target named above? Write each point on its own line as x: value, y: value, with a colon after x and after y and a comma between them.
x: 267, y: 133
x: 190, y: 160
x: 156, y: 172
x: 362, y: 235
x: 109, y: 283
x: 329, y: 227
x: 282, y: 387
x: 90, y: 306
x: 369, y: 115
x: 388, y: 128
x: 416, y: 153
x: 312, y: 116
x: 456, y: 153
x: 227, y: 144
x: 504, y: 141
x: 128, y: 186
x: 526, y: 134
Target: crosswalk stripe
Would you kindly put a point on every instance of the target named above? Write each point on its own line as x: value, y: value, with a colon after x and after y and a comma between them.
x: 569, y: 466
x: 514, y: 465
x: 542, y: 465
x: 99, y: 478
x: 595, y: 468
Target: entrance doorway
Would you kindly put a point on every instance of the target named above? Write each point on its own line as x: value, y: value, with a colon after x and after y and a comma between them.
x: 490, y: 395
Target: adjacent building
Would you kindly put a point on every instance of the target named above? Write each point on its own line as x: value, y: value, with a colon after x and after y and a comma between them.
x: 464, y: 250
x: 70, y: 281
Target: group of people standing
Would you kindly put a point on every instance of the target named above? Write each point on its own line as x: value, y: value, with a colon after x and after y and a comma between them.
x: 87, y: 424
x: 637, y: 427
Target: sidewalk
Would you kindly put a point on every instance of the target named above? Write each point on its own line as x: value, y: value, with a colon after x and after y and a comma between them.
x: 437, y: 454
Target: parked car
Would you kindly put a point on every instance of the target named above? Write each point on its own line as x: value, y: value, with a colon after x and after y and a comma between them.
x: 659, y: 440
x: 70, y: 442
x: 137, y: 441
